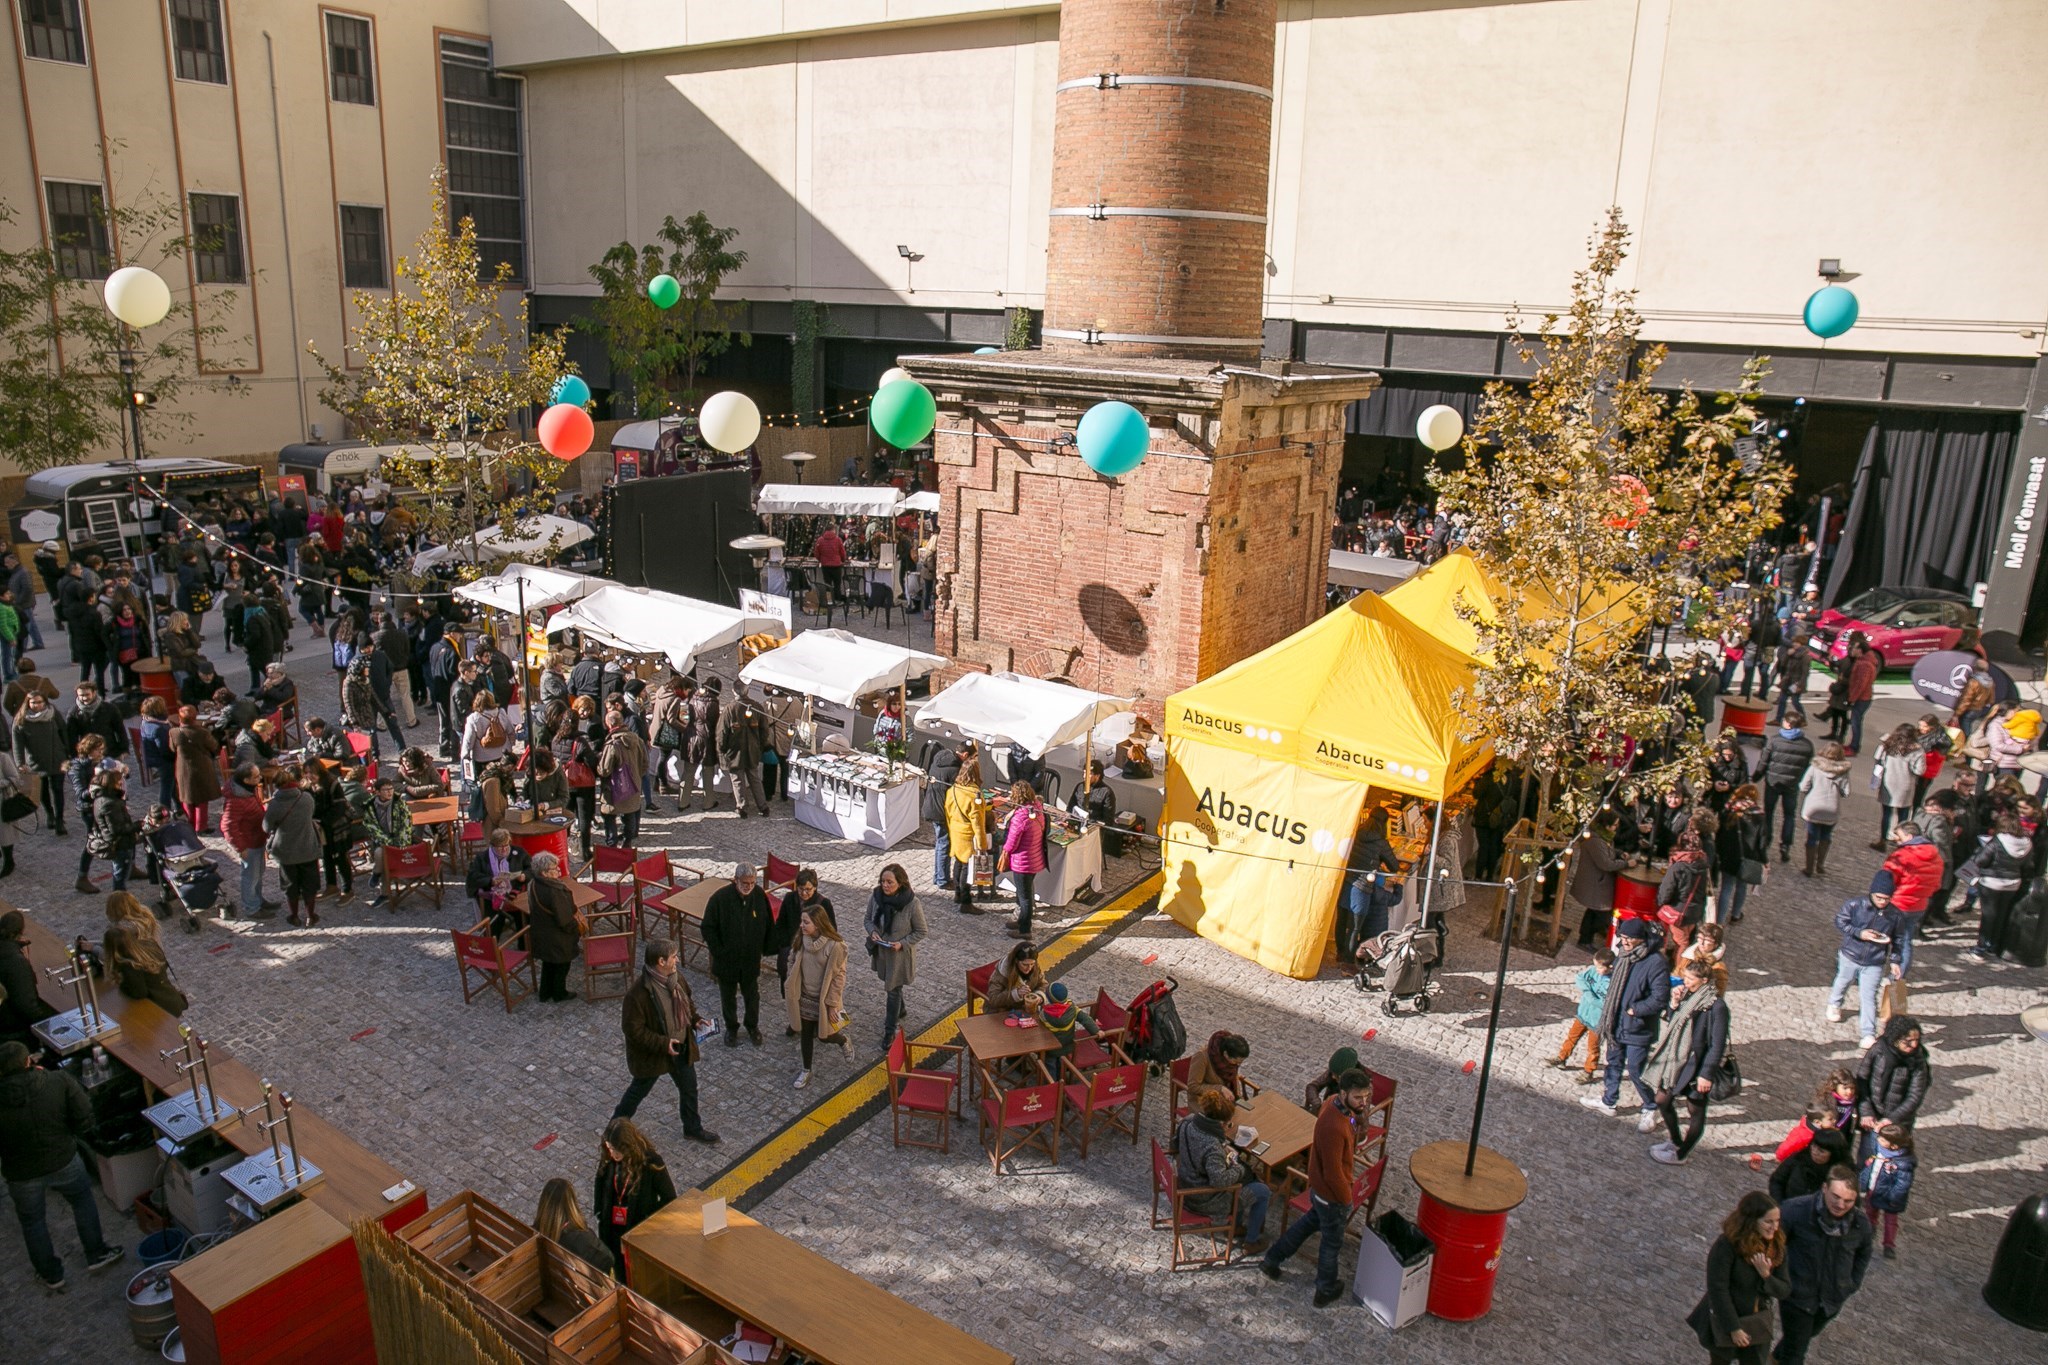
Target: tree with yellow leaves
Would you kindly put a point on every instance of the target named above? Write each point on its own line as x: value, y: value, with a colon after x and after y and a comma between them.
x: 1603, y: 505
x: 446, y: 364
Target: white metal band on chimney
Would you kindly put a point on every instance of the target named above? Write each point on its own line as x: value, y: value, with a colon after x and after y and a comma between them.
x: 1113, y: 80
x: 1094, y: 338
x: 1106, y: 211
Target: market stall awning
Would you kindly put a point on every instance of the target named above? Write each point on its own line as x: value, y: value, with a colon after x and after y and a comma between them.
x: 829, y: 500
x: 1007, y: 708
x: 927, y: 501
x: 1452, y: 598
x: 1381, y: 573
x: 542, y: 588
x: 644, y: 621
x: 1363, y: 693
x: 544, y: 534
x: 837, y: 665
x: 643, y: 435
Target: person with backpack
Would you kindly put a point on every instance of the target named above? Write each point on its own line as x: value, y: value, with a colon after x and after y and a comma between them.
x: 259, y: 639
x: 485, y: 735
x: 621, y: 768
x: 1024, y: 851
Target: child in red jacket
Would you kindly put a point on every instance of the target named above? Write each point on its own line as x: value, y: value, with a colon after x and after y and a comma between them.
x: 1917, y: 868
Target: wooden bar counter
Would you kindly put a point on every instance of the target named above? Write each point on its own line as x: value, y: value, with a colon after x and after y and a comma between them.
x: 830, y: 1314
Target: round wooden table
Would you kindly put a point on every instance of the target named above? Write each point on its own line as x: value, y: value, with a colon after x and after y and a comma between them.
x: 1467, y: 1218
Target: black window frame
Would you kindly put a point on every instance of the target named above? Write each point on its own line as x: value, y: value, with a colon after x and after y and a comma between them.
x: 59, y: 25
x: 354, y: 86
x: 206, y: 59
x: 353, y: 263
x: 228, y: 262
x: 84, y: 248
x: 483, y: 136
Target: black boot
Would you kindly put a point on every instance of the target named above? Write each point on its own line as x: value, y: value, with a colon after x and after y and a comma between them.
x: 7, y: 861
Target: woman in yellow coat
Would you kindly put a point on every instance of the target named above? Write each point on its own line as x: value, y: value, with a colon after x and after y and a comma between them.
x: 966, y: 832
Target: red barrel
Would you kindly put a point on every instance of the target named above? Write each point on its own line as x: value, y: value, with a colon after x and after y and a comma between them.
x: 1467, y: 1255
x: 1744, y: 717
x: 553, y: 839
x: 157, y: 681
x: 1635, y: 897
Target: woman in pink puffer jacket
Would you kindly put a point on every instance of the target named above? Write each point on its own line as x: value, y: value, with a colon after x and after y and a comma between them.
x: 1024, y: 850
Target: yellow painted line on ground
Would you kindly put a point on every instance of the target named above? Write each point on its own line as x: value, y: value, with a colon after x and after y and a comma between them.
x: 814, y: 1125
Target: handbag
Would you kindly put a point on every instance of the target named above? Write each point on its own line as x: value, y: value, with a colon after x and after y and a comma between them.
x: 1752, y: 871
x: 1727, y: 1080
x: 579, y: 773
x: 1756, y: 1325
x: 1891, y: 999
x: 17, y: 806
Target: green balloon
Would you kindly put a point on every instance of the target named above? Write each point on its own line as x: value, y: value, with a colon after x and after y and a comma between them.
x: 663, y: 291
x: 904, y: 413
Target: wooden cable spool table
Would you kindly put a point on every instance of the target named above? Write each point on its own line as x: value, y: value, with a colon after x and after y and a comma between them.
x: 1467, y: 1218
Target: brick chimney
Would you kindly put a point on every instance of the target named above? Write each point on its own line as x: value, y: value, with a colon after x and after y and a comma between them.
x: 1218, y: 544
x: 1161, y: 143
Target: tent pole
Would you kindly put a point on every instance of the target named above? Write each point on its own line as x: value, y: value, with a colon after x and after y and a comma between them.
x: 525, y: 671
x: 1429, y: 874
x: 1500, y: 979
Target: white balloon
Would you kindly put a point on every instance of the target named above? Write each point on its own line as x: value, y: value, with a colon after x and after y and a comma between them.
x: 729, y: 421
x: 1439, y: 427
x: 890, y: 376
x: 137, y: 296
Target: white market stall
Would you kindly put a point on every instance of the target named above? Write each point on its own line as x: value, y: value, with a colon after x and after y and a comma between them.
x: 1379, y: 573
x: 836, y: 787
x: 827, y: 500
x: 1144, y: 797
x: 535, y: 587
x: 927, y: 501
x: 998, y: 710
x: 547, y: 534
x: 646, y: 621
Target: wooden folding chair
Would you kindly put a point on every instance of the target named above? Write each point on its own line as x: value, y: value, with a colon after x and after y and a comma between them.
x: 654, y: 877
x: 1092, y: 1054
x: 1368, y: 1168
x: 920, y: 1093
x: 358, y: 744
x: 1107, y: 1098
x: 505, y: 969
x: 410, y: 868
x: 610, y: 873
x: 1030, y: 1111
x: 1218, y: 1230
x: 777, y: 876
x: 978, y: 981
x: 607, y: 957
x: 1176, y: 1091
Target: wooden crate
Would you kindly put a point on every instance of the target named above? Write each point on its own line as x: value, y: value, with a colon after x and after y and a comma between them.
x: 535, y: 1290
x: 465, y: 1235
x: 624, y: 1327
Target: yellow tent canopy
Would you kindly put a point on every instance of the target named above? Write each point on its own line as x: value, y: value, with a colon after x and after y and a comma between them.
x: 1432, y: 600
x: 1363, y: 694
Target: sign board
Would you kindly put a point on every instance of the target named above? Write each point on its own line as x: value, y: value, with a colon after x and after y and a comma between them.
x: 626, y: 464
x: 767, y: 604
x: 291, y: 485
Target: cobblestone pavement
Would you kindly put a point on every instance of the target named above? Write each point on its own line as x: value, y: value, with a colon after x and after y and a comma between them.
x: 1602, y: 1262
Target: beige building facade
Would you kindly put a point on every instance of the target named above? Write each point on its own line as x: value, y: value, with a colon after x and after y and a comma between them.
x: 294, y: 139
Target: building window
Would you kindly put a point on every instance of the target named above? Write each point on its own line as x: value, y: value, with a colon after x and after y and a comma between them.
x: 348, y: 59
x: 486, y: 178
x: 78, y: 230
x: 196, y: 37
x: 50, y: 29
x: 217, y: 239
x: 362, y: 247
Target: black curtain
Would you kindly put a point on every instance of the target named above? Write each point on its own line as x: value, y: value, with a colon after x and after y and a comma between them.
x: 1923, y: 509
x: 1392, y: 408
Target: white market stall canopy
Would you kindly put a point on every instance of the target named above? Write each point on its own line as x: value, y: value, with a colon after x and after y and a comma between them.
x: 827, y: 500
x: 643, y: 621
x: 927, y: 501
x: 1378, y: 572
x: 1006, y: 708
x: 543, y: 588
x: 837, y: 665
x: 492, y: 543
x: 643, y: 435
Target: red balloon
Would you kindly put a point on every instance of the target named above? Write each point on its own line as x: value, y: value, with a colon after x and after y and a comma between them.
x: 566, y: 431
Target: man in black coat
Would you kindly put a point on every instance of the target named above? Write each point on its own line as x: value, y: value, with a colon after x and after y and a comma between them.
x: 444, y: 669
x: 43, y: 1114
x: 660, y: 1020
x: 1827, y: 1249
x: 95, y: 715
x: 945, y: 767
x: 1787, y: 755
x: 739, y: 927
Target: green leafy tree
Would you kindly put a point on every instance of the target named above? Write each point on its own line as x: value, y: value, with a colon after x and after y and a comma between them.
x: 62, y: 398
x: 660, y: 350
x: 1603, y: 505
x: 446, y: 366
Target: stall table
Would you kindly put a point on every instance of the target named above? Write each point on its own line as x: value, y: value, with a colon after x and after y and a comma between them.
x: 831, y: 1315
x: 855, y: 796
x: 1070, y: 864
x: 1143, y: 796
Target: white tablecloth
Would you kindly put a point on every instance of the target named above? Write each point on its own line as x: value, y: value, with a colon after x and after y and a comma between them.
x: 1146, y: 796
x: 879, y: 819
x: 1068, y: 868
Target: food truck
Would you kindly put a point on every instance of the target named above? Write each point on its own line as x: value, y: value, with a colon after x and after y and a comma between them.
x: 92, y: 507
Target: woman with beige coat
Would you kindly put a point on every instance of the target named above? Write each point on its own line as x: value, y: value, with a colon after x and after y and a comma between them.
x: 815, y: 990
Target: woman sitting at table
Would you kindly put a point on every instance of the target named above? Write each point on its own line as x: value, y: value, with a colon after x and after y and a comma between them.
x: 556, y: 930
x: 1020, y: 985
x: 252, y: 744
x: 278, y: 690
x: 546, y: 787
x: 632, y: 1184
x: 495, y: 873
x: 135, y: 954
x: 561, y: 1222
x: 1205, y: 1158
x: 1217, y: 1064
x: 420, y: 774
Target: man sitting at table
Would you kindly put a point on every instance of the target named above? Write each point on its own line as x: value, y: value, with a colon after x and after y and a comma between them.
x: 1094, y: 800
x: 494, y: 874
x: 278, y: 691
x: 389, y: 822
x: 324, y: 741
x: 1205, y: 1157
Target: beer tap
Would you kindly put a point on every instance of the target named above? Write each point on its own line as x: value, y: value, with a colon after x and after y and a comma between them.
x: 268, y: 1125
x: 205, y: 1103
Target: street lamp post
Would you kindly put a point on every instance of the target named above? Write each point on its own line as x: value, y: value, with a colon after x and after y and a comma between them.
x: 138, y: 298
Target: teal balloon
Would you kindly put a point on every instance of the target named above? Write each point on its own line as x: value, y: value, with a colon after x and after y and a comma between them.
x: 571, y: 389
x: 1831, y: 312
x: 663, y: 291
x: 1113, y: 438
x: 987, y: 350
x: 904, y: 413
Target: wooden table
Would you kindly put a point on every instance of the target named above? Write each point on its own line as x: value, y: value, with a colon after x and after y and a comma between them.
x: 686, y: 912
x: 830, y: 1314
x: 994, y: 1042
x: 1287, y: 1128
x: 442, y: 817
x: 584, y: 895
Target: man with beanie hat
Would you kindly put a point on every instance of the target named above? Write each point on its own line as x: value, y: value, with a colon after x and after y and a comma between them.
x: 1629, y: 1019
x: 1871, y: 930
x: 1322, y: 1087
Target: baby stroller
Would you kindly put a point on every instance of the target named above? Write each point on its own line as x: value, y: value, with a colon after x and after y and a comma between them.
x: 178, y: 864
x: 1403, y: 963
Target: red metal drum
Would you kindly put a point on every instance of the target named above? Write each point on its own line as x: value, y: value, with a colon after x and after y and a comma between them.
x: 1744, y: 717
x: 158, y: 681
x: 1635, y: 897
x: 542, y: 836
x: 1468, y: 1247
